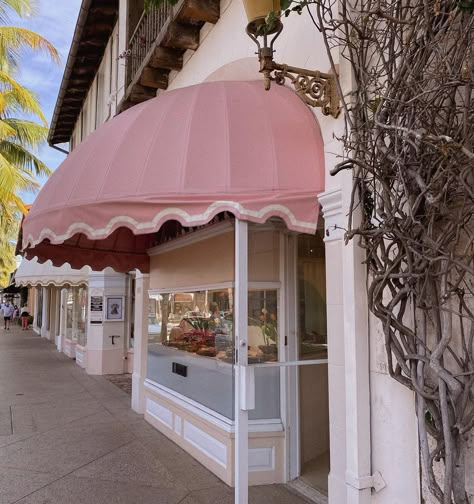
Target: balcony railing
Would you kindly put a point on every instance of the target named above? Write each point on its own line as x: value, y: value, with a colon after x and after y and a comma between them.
x: 149, y: 26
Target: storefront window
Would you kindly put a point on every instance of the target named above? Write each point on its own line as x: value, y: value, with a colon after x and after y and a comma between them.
x: 191, y: 348
x: 76, y: 315
x: 81, y: 315
x: 263, y: 326
x: 49, y: 295
x: 39, y: 307
x: 312, y: 297
x: 69, y: 314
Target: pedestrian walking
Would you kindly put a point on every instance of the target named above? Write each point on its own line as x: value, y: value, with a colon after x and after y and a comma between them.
x: 7, y: 314
x: 24, y: 314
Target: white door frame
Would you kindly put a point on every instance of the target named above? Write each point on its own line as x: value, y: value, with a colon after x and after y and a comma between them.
x: 241, y: 461
x: 288, y: 362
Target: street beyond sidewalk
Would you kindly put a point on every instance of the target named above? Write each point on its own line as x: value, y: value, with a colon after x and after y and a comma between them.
x: 70, y: 438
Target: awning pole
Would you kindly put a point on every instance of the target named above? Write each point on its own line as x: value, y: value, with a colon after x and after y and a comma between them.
x: 240, y: 325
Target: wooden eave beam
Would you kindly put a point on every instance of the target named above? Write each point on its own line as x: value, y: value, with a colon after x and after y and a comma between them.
x: 207, y: 11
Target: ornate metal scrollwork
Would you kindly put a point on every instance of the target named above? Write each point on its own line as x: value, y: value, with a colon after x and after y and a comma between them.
x: 315, y: 88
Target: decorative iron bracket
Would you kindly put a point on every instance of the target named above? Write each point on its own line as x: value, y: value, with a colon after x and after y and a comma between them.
x: 316, y: 89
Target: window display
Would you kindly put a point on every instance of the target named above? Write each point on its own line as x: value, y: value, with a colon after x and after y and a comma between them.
x: 76, y: 315
x: 191, y: 348
x: 181, y: 320
x: 198, y: 322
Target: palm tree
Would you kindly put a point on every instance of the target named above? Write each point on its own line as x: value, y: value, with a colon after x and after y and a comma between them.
x: 19, y: 137
x: 8, y: 233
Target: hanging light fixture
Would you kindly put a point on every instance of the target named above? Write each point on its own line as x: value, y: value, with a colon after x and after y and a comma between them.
x: 316, y: 89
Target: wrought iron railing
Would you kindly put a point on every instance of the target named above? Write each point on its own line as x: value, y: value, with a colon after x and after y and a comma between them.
x: 148, y: 28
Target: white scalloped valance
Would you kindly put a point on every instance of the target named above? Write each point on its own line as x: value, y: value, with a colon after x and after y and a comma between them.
x: 32, y: 274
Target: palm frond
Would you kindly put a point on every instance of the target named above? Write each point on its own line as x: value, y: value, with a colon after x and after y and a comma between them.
x: 27, y: 133
x: 14, y: 38
x: 6, y: 130
x: 22, y: 7
x: 22, y: 159
x: 14, y: 181
x: 18, y: 98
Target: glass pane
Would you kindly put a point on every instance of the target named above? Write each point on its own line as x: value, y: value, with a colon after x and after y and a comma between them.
x: 39, y: 307
x: 81, y: 314
x: 263, y: 347
x: 312, y: 330
x: 50, y: 308
x: 263, y: 326
x: 191, y: 346
x: 69, y: 313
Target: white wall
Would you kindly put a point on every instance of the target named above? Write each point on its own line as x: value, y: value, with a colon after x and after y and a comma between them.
x: 394, y: 429
x: 101, y: 102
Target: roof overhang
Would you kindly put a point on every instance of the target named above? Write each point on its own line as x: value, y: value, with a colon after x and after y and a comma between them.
x: 94, y: 27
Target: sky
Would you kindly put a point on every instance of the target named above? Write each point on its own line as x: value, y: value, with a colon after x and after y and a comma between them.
x: 55, y: 20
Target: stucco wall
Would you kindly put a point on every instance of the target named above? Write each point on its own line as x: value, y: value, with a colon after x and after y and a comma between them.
x: 393, y: 429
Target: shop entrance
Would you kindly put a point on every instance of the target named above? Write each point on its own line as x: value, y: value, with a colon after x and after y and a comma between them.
x: 312, y: 380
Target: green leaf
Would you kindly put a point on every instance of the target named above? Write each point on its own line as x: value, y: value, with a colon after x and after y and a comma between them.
x: 285, y: 4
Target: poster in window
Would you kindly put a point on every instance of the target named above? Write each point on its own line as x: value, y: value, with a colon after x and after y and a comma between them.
x: 114, y: 307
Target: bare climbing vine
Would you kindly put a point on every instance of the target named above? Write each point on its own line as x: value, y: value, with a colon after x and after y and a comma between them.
x: 409, y: 144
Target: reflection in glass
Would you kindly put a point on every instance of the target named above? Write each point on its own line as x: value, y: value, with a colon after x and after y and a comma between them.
x: 76, y: 315
x: 199, y: 322
x: 312, y: 327
x: 39, y: 306
x: 263, y: 326
x: 81, y: 315
x: 195, y: 330
x: 69, y: 314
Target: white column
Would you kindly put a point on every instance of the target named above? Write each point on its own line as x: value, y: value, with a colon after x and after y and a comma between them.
x: 140, y: 342
x: 106, y: 355
x: 348, y: 342
x: 356, y: 351
x: 333, y: 224
x: 45, y: 312
x: 240, y: 328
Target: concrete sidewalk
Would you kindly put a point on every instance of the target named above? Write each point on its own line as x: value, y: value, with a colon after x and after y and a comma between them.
x: 70, y: 438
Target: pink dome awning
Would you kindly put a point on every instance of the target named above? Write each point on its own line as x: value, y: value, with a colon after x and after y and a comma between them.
x: 187, y: 155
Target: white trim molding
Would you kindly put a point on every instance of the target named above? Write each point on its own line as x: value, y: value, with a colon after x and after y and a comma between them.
x: 334, y: 219
x: 211, y: 447
x: 206, y: 414
x: 375, y: 481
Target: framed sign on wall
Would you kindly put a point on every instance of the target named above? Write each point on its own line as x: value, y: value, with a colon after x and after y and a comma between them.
x: 114, y: 306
